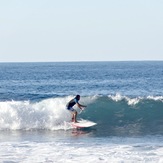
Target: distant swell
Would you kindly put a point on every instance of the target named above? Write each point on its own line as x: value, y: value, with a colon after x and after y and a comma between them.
x: 114, y: 114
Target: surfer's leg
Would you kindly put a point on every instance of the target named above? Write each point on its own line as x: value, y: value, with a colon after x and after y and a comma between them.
x: 75, y: 116
x: 72, y: 117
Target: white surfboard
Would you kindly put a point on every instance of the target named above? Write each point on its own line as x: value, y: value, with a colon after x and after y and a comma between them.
x: 83, y: 124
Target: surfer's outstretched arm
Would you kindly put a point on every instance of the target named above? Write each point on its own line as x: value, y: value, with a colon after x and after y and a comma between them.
x: 81, y: 106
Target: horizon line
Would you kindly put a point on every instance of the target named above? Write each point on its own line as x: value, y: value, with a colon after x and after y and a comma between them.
x: 81, y: 61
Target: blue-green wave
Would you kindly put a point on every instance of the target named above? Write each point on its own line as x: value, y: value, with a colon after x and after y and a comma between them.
x: 123, y: 115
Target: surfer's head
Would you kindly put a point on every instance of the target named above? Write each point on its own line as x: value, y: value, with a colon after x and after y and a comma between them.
x: 77, y: 97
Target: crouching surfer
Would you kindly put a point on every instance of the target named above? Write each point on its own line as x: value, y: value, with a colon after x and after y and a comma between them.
x: 70, y: 105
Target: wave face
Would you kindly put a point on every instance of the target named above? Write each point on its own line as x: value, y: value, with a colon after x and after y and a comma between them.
x: 114, y: 115
x: 121, y: 115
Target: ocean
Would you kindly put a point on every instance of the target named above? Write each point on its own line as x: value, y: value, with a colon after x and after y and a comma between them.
x: 125, y: 99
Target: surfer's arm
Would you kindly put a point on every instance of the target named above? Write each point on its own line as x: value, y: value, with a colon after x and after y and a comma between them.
x: 81, y: 106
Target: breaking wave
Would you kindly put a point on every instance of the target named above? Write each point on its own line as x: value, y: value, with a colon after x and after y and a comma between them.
x: 114, y: 114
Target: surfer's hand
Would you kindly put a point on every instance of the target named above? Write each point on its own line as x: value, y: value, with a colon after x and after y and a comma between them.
x: 83, y: 107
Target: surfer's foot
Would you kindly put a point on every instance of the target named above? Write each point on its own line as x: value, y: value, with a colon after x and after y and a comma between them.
x: 73, y: 120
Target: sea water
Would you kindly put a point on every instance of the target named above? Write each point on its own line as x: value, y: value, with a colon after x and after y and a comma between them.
x: 125, y: 99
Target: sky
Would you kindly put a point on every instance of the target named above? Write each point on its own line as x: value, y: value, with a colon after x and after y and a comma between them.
x: 81, y: 30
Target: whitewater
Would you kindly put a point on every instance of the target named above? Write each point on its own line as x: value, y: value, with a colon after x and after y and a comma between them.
x: 125, y: 99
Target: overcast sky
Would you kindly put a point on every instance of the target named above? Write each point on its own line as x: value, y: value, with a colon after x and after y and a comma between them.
x: 81, y: 30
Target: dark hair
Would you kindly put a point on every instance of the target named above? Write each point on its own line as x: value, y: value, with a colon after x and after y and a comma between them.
x: 77, y: 97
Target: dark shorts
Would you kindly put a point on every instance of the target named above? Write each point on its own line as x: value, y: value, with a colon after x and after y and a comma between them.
x: 71, y: 109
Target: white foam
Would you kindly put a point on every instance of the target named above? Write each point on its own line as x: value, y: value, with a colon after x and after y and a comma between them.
x: 78, y: 150
x: 130, y: 101
x: 47, y: 114
x: 156, y: 98
x: 116, y: 98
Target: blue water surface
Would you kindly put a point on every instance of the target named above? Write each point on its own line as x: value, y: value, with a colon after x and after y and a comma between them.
x: 35, y: 81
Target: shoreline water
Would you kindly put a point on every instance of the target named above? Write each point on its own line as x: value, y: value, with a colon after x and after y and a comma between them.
x: 81, y: 148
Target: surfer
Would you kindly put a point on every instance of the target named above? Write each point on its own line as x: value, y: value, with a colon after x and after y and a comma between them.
x: 70, y: 105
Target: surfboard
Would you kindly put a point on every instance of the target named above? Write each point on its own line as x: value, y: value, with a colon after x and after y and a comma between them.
x: 83, y: 124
